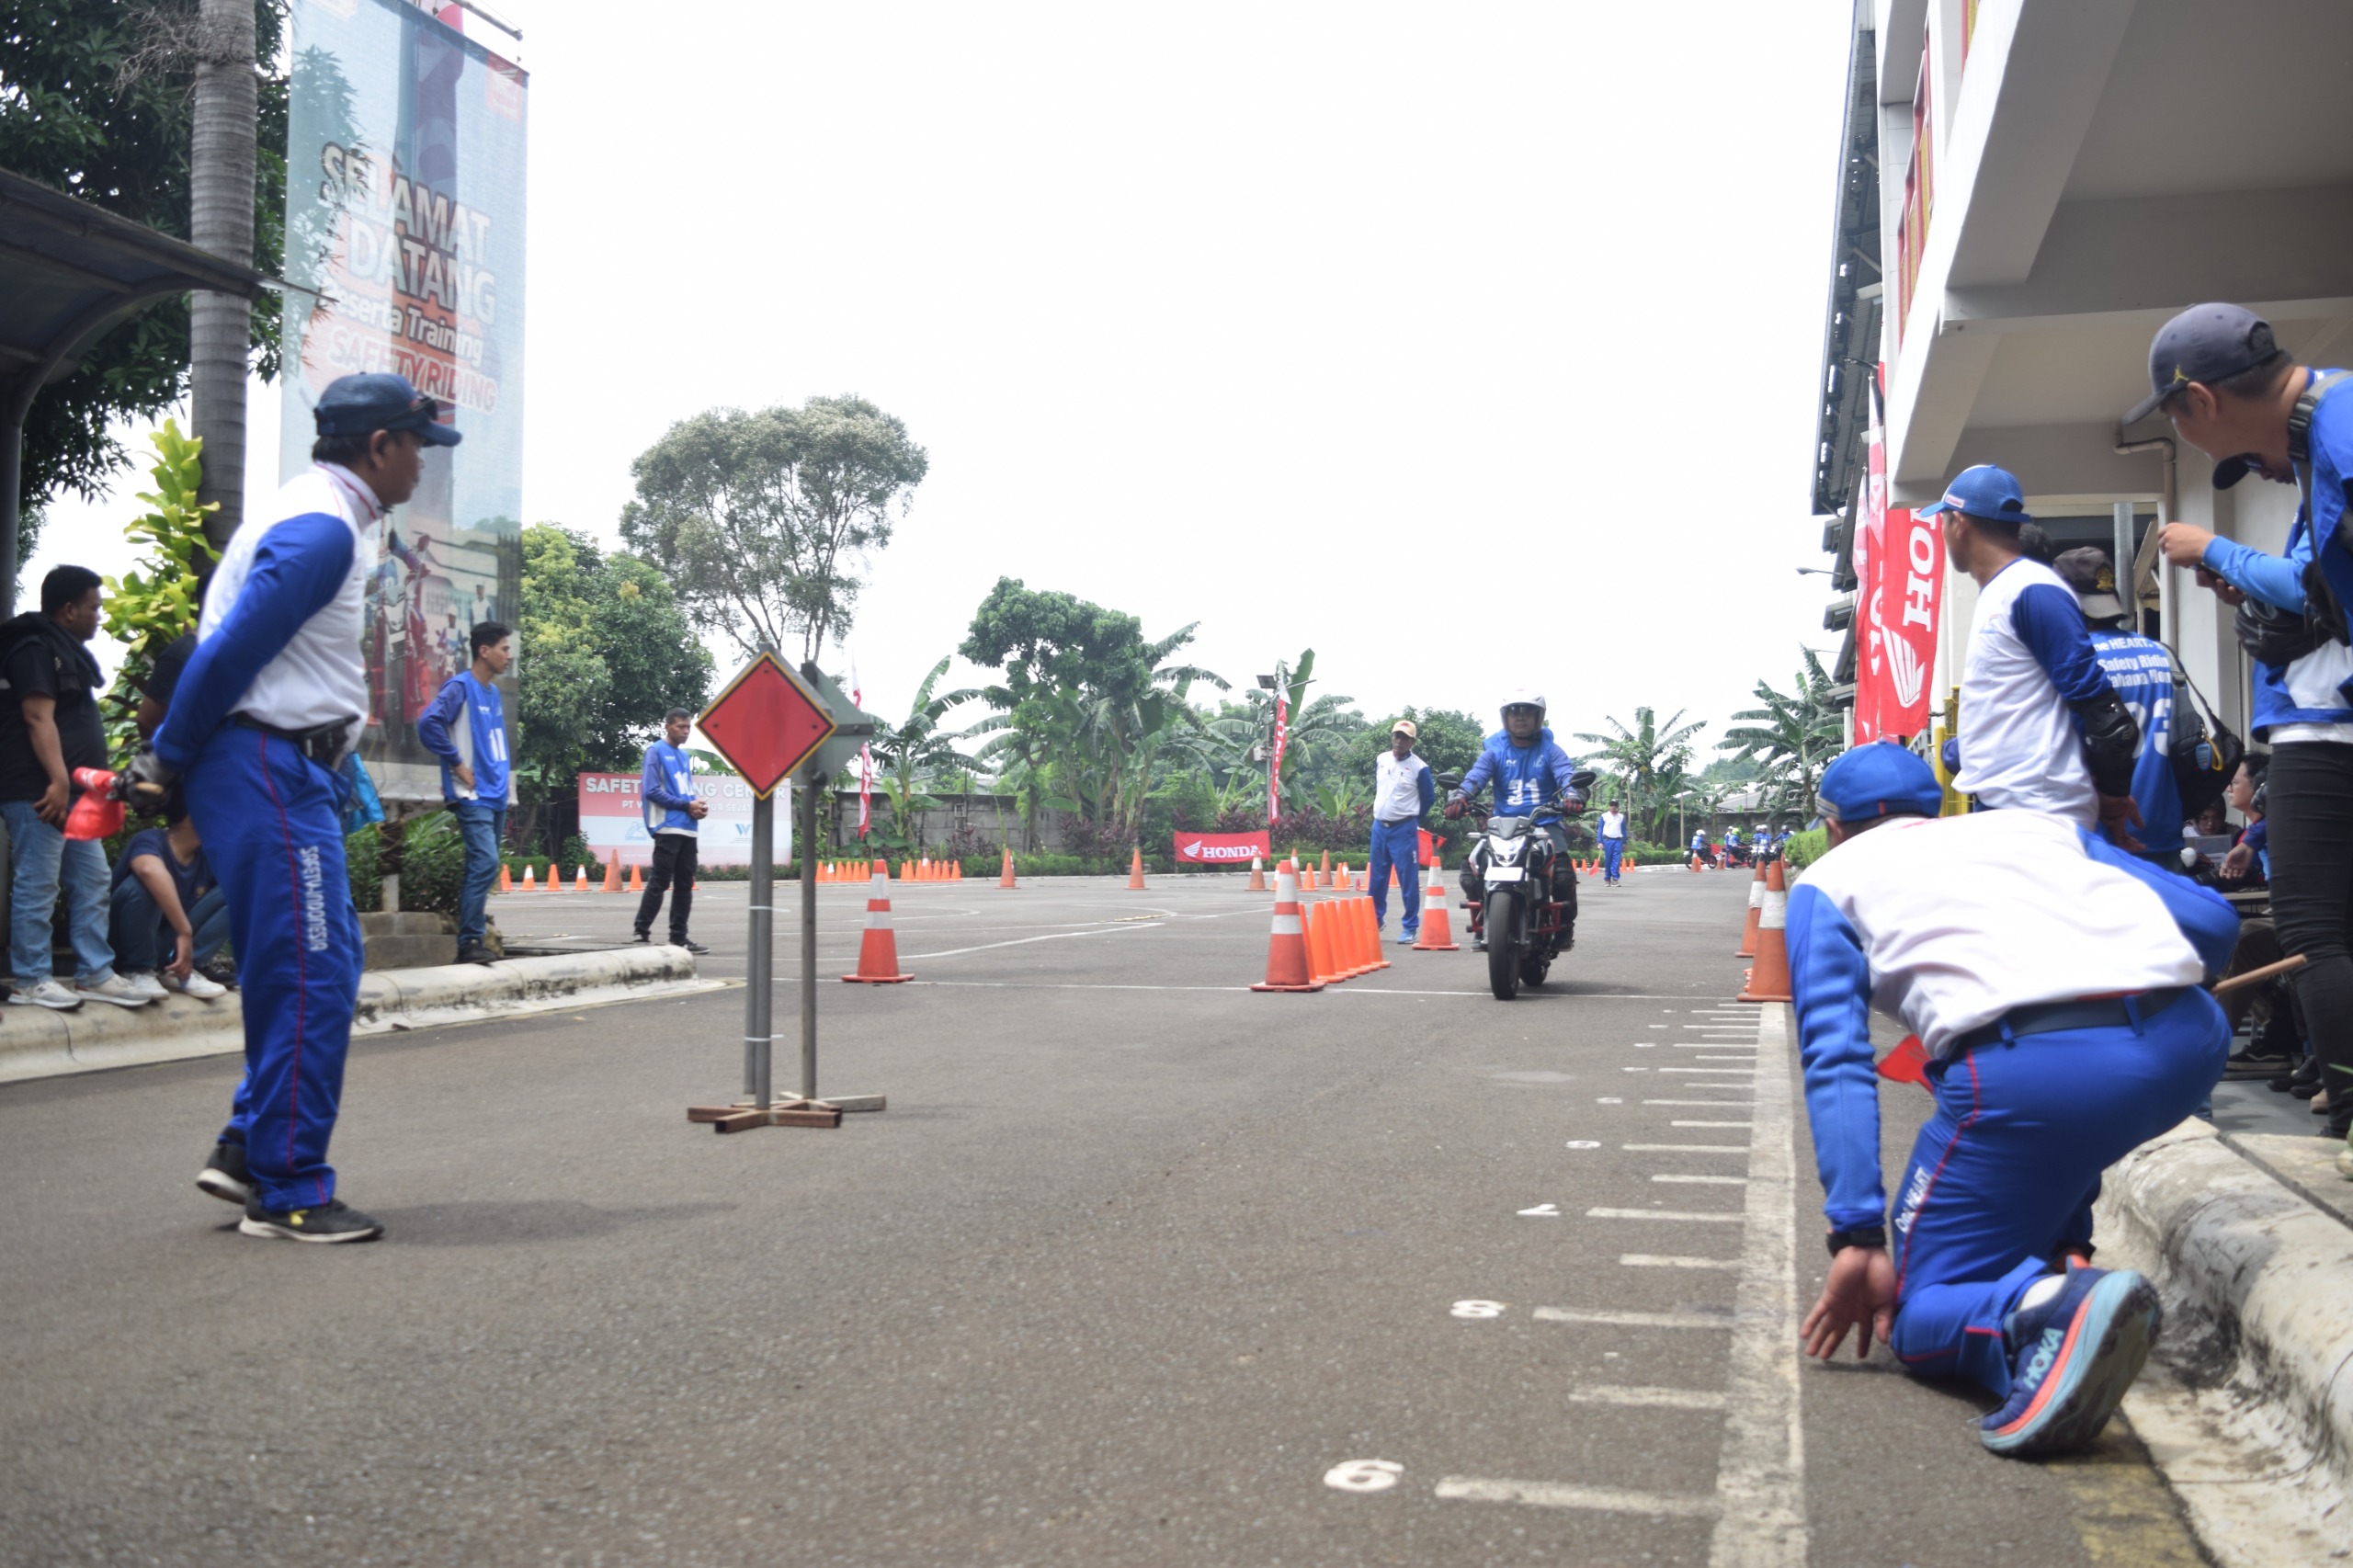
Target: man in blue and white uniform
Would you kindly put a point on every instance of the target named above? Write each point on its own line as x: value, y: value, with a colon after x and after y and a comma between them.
x: 270, y: 701
x: 2054, y: 979
x: 1529, y: 771
x: 2233, y: 392
x: 1403, y: 793
x: 466, y: 729
x: 1613, y: 843
x: 2044, y: 729
x: 2142, y: 672
x: 672, y: 816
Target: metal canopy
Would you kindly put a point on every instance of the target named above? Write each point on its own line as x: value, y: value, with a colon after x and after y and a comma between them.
x: 68, y: 270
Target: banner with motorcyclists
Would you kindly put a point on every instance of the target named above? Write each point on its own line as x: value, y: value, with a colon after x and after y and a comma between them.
x: 1223, y: 849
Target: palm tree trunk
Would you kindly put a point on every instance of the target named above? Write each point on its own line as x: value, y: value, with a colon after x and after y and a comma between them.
x: 221, y: 181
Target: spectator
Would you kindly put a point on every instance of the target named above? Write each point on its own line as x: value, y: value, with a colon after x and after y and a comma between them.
x: 475, y: 778
x: 2232, y: 391
x: 2250, y: 856
x: 1404, y: 789
x: 672, y: 811
x: 49, y: 726
x: 2141, y: 672
x: 163, y: 889
x: 1613, y: 843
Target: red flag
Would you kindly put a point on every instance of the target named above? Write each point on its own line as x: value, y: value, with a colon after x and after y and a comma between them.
x: 1899, y: 557
x: 1275, y: 772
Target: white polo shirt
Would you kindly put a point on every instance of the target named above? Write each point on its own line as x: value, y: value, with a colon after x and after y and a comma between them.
x: 1396, y: 787
x: 2019, y: 746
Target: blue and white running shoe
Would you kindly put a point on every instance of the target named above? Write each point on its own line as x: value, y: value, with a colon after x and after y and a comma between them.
x: 2072, y: 1358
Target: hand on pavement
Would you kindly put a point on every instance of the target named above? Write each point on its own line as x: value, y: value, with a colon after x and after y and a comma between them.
x: 2184, y: 543
x: 1860, y: 1295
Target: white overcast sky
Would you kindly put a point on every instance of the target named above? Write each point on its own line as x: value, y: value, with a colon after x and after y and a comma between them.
x: 1472, y: 348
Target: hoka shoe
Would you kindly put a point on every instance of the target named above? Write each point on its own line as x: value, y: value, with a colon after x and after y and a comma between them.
x: 2072, y: 1356
x: 334, y: 1222
x: 224, y: 1176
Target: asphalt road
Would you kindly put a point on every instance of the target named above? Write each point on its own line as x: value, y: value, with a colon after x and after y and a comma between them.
x: 1138, y: 1268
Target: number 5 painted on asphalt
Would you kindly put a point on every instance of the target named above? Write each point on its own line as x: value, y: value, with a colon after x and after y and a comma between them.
x: 1364, y: 1475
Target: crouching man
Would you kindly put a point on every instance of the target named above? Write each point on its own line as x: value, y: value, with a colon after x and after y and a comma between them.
x: 2054, y: 979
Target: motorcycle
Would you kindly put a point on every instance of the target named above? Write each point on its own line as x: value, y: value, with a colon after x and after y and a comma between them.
x: 1524, y: 926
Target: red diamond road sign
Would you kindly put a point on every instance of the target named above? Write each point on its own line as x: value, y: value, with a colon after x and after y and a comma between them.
x: 767, y: 722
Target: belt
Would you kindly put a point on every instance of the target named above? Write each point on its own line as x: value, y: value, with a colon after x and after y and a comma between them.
x: 323, y: 745
x: 2049, y: 1018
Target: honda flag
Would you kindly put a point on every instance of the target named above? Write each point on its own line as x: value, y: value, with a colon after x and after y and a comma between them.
x: 1222, y: 848
x: 1899, y: 561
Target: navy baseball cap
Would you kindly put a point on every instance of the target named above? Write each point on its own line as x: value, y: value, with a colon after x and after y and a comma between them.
x: 1983, y: 492
x: 1878, y: 778
x: 2205, y: 342
x: 355, y: 406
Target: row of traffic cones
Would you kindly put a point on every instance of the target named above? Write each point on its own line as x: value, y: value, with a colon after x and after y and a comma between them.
x: 1316, y: 945
x: 1765, y: 939
x: 609, y: 881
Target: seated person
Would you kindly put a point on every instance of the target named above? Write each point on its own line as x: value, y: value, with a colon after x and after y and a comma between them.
x: 164, y: 900
x: 2054, y: 978
x: 1533, y: 777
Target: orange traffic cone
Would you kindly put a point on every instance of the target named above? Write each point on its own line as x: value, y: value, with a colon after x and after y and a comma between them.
x: 1135, y: 870
x: 1695, y: 862
x: 1438, y: 929
x: 555, y: 879
x: 1005, y: 879
x: 1257, y: 876
x: 1349, y: 951
x: 877, y: 950
x: 1369, y: 929
x: 1321, y: 930
x: 1756, y: 913
x: 580, y: 880
x: 1768, y: 980
x: 506, y: 881
x: 956, y: 870
x: 1289, y: 965
x: 1327, y: 866
x: 612, y: 882
x: 636, y: 879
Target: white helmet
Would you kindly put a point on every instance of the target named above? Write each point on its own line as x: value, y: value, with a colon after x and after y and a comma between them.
x: 1523, y: 698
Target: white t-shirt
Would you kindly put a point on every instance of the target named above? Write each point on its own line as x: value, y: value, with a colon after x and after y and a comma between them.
x: 1396, y: 786
x: 2019, y: 746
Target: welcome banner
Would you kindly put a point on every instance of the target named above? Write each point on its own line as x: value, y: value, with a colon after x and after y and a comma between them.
x: 1222, y: 848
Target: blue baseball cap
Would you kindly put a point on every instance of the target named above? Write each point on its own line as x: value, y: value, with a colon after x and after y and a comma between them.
x: 1878, y: 778
x: 2205, y: 343
x: 355, y: 406
x: 1983, y: 492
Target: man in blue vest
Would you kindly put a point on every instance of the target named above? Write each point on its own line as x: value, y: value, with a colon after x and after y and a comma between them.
x: 674, y: 815
x: 466, y: 728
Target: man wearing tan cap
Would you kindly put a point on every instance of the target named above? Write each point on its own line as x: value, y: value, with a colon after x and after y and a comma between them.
x: 1403, y: 793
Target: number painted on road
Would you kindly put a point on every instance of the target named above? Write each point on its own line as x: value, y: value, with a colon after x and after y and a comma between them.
x: 1611, y: 1099
x: 1582, y: 1143
x: 1542, y: 1211
x: 1477, y: 1310
x: 1364, y: 1475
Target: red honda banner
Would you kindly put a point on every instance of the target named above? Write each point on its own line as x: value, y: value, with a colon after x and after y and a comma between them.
x: 1899, y: 558
x: 1222, y: 848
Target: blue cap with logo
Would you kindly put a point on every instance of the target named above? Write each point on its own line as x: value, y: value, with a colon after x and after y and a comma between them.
x: 2205, y: 343
x: 355, y: 406
x: 1983, y: 492
x: 1878, y: 778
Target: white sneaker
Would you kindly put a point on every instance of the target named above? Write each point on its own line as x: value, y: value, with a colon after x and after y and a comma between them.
x: 148, y: 985
x: 195, y: 986
x: 45, y: 994
x: 120, y: 991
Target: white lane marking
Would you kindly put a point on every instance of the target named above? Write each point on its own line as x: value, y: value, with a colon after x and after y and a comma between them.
x: 1363, y: 1475
x: 1542, y: 1211
x: 1631, y: 1320
x: 1712, y: 1071
x: 1710, y: 1124
x: 1669, y: 1260
x: 1049, y: 985
x: 1049, y: 937
x: 1749, y: 1058
x: 1705, y: 1180
x: 1655, y: 1399
x: 1760, y: 1478
x: 1709, y: 1105
x: 1706, y: 1045
x: 1611, y: 1099
x: 1646, y: 1045
x: 1685, y: 1148
x: 1477, y: 1310
x: 1582, y: 1143
x: 1560, y: 1494
x: 1671, y: 1216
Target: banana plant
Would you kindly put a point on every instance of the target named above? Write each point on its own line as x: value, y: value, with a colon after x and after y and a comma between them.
x: 154, y: 604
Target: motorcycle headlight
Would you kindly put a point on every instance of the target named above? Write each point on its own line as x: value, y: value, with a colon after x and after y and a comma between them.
x: 1507, y: 851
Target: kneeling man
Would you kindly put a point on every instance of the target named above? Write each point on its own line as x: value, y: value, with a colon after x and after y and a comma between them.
x: 2054, y: 979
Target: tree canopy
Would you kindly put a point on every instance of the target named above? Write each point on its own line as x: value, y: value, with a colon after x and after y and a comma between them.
x: 765, y: 520
x: 1647, y: 764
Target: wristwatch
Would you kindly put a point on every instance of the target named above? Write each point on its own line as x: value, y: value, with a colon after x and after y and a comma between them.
x: 1860, y: 1236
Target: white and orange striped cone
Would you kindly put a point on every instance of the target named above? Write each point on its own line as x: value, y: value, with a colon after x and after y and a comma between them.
x: 1756, y: 913
x: 527, y: 879
x: 1768, y: 980
x: 877, y: 950
x: 1289, y: 967
x: 1257, y: 876
x: 1437, y: 935
x: 580, y: 880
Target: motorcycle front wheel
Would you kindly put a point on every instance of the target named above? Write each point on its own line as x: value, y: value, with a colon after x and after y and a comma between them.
x: 1502, y: 920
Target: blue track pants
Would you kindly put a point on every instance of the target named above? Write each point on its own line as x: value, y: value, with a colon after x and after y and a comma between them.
x: 271, y: 821
x: 1613, y: 850
x: 2004, y: 1174
x: 1397, y: 843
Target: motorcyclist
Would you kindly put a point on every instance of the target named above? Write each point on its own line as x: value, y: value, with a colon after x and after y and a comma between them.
x: 1528, y: 770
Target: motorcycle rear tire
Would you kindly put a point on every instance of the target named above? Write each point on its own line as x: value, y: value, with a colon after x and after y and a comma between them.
x: 1503, y: 946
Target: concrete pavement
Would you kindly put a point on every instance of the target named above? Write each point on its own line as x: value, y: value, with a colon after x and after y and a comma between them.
x: 1139, y: 1268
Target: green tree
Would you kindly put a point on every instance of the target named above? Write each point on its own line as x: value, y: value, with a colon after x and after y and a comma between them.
x: 653, y: 659
x: 97, y: 101
x: 148, y: 608
x: 1648, y: 763
x: 1793, y: 736
x: 765, y: 520
x: 912, y: 755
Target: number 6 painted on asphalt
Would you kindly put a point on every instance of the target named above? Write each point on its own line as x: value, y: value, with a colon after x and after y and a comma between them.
x: 1364, y: 1475
x: 1478, y: 1310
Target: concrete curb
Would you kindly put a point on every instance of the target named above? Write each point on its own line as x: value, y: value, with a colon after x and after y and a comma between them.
x: 38, y: 1043
x: 2257, y: 1384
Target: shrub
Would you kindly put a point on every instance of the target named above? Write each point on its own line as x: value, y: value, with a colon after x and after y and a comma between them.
x: 433, y: 864
x: 1805, y: 848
